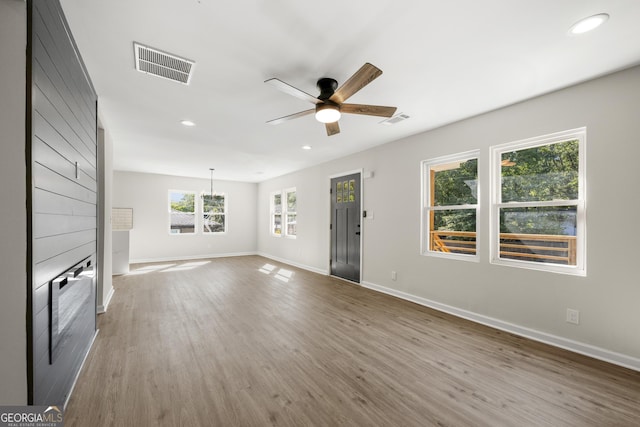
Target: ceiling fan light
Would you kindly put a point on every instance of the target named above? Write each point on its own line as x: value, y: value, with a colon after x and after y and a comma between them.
x: 327, y: 113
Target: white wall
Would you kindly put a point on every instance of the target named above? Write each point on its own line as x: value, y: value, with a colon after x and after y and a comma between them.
x: 148, y: 195
x: 529, y: 302
x: 13, y: 246
x: 105, y: 183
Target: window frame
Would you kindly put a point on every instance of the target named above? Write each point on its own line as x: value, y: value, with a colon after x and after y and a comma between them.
x: 202, y: 213
x: 426, y: 208
x: 273, y: 213
x: 286, y: 212
x: 579, y: 134
x: 195, y: 210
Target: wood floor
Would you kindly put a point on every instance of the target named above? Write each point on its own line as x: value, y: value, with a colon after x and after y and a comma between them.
x: 247, y: 341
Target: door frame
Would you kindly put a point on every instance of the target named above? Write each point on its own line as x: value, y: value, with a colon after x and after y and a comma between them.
x: 329, y: 178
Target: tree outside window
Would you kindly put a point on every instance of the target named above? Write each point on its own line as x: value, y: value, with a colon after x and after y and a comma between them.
x: 538, y: 208
x: 276, y: 214
x: 291, y: 214
x: 213, y: 213
x: 182, y: 212
x: 450, y: 201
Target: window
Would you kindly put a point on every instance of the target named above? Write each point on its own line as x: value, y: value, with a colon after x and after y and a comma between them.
x: 276, y: 214
x: 537, y: 214
x: 450, y: 206
x: 284, y: 213
x: 290, y: 212
x: 214, y: 213
x: 182, y: 211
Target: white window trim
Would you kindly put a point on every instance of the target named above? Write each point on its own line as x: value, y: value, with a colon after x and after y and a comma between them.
x: 226, y: 214
x: 285, y: 212
x: 425, y: 208
x: 195, y: 212
x: 272, y: 214
x: 496, y: 179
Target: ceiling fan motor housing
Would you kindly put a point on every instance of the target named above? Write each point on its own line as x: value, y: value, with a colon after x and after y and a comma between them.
x: 327, y: 87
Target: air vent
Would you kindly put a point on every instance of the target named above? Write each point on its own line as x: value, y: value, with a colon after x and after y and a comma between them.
x: 162, y: 64
x: 395, y: 119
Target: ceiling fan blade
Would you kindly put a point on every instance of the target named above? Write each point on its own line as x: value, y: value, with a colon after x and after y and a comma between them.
x: 365, y: 75
x: 370, y: 110
x: 332, y: 128
x: 293, y: 91
x: 291, y: 117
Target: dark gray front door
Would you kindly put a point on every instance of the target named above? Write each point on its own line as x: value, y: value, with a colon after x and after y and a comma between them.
x: 345, y: 227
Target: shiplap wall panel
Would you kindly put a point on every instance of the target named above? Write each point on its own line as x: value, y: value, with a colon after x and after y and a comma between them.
x: 45, y: 248
x: 54, y: 161
x: 50, y: 114
x: 63, y: 198
x: 50, y: 268
x: 66, y: 59
x: 54, y: 39
x: 40, y: 299
x: 45, y: 225
x: 46, y: 179
x: 68, y: 104
x: 55, y: 204
x: 59, y: 144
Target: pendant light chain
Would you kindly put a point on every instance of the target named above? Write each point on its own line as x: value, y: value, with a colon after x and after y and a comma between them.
x: 211, y: 190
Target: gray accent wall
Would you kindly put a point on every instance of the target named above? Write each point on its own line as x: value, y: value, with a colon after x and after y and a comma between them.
x: 64, y: 197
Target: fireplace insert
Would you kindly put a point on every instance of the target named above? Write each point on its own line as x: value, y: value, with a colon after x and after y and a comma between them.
x: 69, y: 294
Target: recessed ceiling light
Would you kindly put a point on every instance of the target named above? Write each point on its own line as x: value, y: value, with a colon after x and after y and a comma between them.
x: 588, y: 24
x: 306, y: 147
x: 187, y: 123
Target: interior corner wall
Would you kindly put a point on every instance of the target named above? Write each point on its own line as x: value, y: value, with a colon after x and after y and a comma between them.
x: 105, y: 182
x: 150, y: 240
x: 13, y: 210
x: 529, y: 301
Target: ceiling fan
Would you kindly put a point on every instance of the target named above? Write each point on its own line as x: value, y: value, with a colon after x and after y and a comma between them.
x: 330, y: 103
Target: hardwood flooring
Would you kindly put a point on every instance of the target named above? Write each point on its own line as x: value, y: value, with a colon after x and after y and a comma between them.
x: 248, y: 341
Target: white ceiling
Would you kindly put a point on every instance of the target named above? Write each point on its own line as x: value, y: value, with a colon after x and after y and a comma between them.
x: 442, y: 61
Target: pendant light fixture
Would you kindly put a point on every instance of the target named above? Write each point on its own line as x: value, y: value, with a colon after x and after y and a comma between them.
x: 211, y: 188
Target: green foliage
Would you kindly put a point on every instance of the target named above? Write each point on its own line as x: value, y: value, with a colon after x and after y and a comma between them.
x: 213, y: 205
x: 457, y: 186
x: 544, y: 173
x: 554, y: 220
x: 455, y: 220
x: 549, y: 172
x: 453, y: 187
x: 185, y: 204
x: 291, y: 201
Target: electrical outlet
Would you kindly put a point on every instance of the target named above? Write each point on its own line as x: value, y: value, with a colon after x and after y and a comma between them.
x: 573, y: 316
x: 394, y: 275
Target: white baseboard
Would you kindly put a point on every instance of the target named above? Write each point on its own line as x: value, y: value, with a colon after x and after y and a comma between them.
x: 556, y: 341
x: 189, y: 257
x: 103, y: 307
x: 295, y: 264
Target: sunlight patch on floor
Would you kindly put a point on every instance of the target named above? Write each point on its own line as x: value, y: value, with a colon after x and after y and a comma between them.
x: 267, y: 268
x: 282, y: 274
x: 165, y: 268
x: 149, y: 269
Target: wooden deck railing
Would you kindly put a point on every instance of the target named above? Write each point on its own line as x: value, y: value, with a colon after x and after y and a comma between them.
x: 551, y: 248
